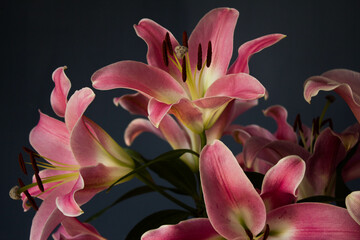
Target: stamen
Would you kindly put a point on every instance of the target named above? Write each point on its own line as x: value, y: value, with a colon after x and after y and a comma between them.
x: 267, y: 231
x: 298, y: 123
x: 185, y: 39
x: 28, y: 196
x: 199, y: 62
x: 33, y: 164
x: 183, y: 71
x: 39, y: 182
x: 168, y: 43
x: 208, y: 55
x: 28, y: 150
x: 22, y: 164
x: 316, y: 125
x: 180, y: 51
x: 250, y: 235
x: 14, y: 193
x: 164, y: 52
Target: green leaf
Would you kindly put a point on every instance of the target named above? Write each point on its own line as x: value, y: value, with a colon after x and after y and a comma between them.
x: 132, y: 193
x: 155, y: 220
x: 135, y: 155
x: 178, y: 174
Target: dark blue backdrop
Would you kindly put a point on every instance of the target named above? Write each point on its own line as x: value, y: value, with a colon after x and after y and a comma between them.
x: 39, y: 36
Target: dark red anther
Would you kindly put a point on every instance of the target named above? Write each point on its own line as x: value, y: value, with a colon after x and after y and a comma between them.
x: 22, y: 164
x: 33, y: 164
x: 28, y: 150
x: 267, y: 232
x: 249, y: 233
x: 329, y: 121
x: 185, y: 39
x: 168, y: 43
x: 208, y: 55
x: 164, y: 53
x: 183, y: 71
x: 298, y: 123
x: 28, y: 196
x: 39, y: 182
x: 199, y: 62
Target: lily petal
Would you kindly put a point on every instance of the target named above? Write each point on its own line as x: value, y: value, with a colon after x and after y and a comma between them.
x: 344, y: 82
x: 77, y: 105
x: 311, y: 221
x: 51, y: 137
x: 134, y: 103
x: 138, y: 126
x: 218, y: 27
x: 67, y: 204
x: 154, y: 34
x: 285, y: 130
x: 189, y: 115
x: 146, y: 79
x: 241, y: 86
x: 281, y: 182
x: 352, y: 202
x: 249, y: 48
x: 192, y: 229
x: 58, y: 97
x: 232, y: 203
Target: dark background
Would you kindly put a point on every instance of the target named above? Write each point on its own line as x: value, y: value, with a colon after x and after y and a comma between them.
x: 39, y: 36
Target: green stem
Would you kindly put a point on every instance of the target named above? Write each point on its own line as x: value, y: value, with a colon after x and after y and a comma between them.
x: 203, y: 139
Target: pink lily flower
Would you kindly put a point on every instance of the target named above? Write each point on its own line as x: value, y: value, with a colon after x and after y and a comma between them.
x: 192, y: 80
x: 237, y: 211
x: 173, y: 131
x: 344, y: 82
x: 81, y: 159
x: 73, y: 229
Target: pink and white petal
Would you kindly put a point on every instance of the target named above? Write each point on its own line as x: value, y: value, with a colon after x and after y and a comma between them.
x: 89, y: 151
x: 67, y: 204
x: 218, y: 27
x: 249, y: 48
x: 73, y: 229
x: 321, y: 166
x: 344, y: 82
x: 51, y: 139
x: 192, y: 229
x: 48, y: 217
x: 311, y: 221
x: 157, y: 111
x: 134, y: 103
x: 189, y: 115
x: 58, y: 97
x: 140, y: 77
x: 240, y: 86
x: 281, y: 182
x: 154, y: 34
x: 284, y: 129
x: 242, y: 133
x: 107, y: 142
x: 138, y: 126
x: 352, y: 202
x: 77, y: 105
x: 232, y: 208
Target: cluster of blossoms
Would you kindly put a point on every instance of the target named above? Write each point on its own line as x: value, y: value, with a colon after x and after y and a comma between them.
x: 284, y: 185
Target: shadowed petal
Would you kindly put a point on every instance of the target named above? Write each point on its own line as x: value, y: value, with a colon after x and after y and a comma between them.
x: 67, y: 204
x: 138, y: 126
x: 134, y: 103
x: 352, y: 202
x: 281, y: 182
x: 249, y: 48
x: 232, y: 203
x: 58, y: 97
x: 192, y: 229
x: 284, y: 131
x: 344, y: 82
x: 311, y: 221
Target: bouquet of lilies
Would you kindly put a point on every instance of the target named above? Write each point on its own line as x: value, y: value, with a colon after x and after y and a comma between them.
x: 287, y: 184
